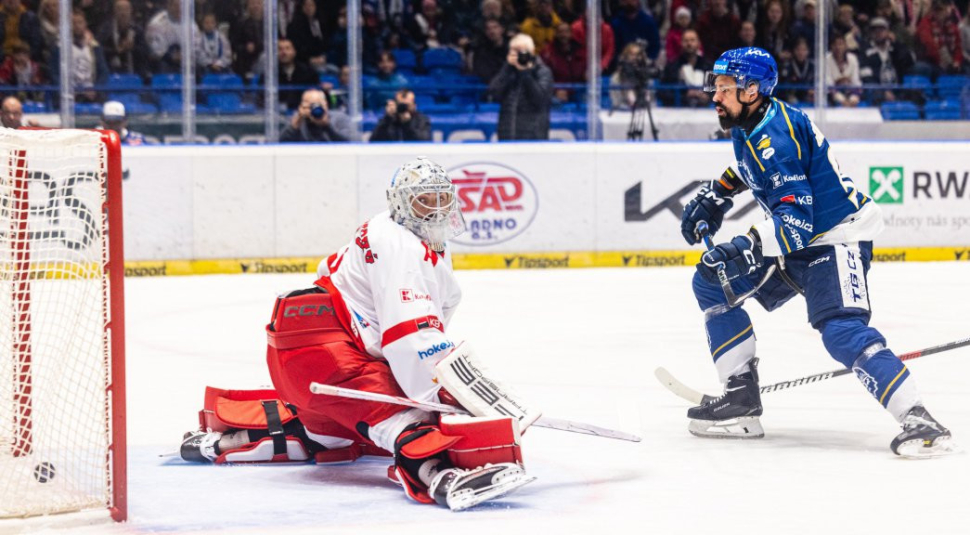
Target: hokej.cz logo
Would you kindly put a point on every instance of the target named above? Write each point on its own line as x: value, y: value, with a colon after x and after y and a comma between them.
x: 435, y: 349
x: 498, y: 202
x: 886, y: 184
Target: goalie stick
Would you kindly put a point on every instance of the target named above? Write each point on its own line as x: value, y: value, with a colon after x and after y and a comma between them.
x: 699, y: 398
x: 544, y: 421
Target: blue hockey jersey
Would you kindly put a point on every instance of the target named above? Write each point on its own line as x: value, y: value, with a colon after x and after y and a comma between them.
x: 786, y: 163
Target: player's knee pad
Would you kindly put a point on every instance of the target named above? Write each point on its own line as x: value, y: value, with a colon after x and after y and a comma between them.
x: 707, y: 294
x: 848, y: 338
x: 463, y: 441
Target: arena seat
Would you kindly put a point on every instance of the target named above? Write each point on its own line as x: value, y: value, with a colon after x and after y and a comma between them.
x: 943, y: 110
x: 442, y: 60
x: 900, y: 111
x: 951, y: 86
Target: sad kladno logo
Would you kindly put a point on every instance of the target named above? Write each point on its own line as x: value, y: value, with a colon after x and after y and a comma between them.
x: 498, y: 202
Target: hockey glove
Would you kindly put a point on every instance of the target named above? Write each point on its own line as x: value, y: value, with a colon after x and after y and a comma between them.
x: 738, y: 257
x: 707, y: 206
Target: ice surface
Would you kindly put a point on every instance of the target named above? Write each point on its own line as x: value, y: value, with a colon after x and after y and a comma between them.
x: 583, y: 344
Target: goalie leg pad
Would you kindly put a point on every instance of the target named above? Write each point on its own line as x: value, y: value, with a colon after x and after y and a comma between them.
x: 472, y: 385
x: 462, y: 443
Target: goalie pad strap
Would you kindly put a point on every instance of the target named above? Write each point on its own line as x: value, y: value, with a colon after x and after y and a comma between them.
x: 274, y: 427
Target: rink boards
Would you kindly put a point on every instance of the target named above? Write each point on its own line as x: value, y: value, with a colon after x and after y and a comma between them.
x: 278, y: 209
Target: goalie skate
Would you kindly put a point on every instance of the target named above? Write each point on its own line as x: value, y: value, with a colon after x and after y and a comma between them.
x: 460, y: 489
x: 923, y: 437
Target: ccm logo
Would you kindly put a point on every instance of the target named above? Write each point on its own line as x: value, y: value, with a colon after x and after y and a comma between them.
x: 307, y: 310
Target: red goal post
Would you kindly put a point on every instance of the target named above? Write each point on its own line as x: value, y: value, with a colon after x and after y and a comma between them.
x: 62, y: 358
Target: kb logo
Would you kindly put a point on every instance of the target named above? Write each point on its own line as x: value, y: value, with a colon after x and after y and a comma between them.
x: 886, y: 184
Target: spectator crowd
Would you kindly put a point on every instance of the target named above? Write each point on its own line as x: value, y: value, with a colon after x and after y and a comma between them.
x: 872, y: 46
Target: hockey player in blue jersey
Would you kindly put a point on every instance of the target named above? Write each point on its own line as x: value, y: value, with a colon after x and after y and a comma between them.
x: 818, y: 232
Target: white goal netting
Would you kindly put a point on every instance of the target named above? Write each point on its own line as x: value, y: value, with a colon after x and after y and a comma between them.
x: 55, y: 356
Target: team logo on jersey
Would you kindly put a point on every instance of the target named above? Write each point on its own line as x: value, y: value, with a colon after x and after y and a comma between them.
x: 764, y: 142
x: 867, y: 380
x: 409, y: 296
x: 498, y: 202
x: 886, y: 184
x: 768, y: 153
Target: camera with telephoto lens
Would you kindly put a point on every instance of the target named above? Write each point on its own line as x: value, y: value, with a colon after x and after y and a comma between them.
x: 402, y: 108
x: 525, y: 58
x: 317, y: 111
x: 638, y: 69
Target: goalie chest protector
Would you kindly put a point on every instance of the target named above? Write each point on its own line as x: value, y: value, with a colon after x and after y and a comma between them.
x: 305, y: 318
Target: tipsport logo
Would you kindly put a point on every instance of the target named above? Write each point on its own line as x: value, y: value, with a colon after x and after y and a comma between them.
x: 886, y: 184
x: 498, y: 202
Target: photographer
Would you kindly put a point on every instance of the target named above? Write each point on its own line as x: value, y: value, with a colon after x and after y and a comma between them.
x: 313, y: 122
x: 629, y: 82
x: 524, y: 89
x: 402, y: 121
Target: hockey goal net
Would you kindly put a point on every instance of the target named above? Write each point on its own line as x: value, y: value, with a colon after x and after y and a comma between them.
x: 62, y: 403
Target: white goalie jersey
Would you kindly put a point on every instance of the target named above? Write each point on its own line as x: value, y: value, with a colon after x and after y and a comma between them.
x: 401, y: 295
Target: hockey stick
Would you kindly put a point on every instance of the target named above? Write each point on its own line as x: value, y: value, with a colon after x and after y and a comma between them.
x: 699, y: 398
x: 732, y: 299
x: 544, y: 421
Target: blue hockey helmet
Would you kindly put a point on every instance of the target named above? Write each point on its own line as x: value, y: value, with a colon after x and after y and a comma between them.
x: 746, y: 65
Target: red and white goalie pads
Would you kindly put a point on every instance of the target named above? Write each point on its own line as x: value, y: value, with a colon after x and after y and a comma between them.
x: 478, y: 391
x: 468, y: 441
x: 231, y: 411
x: 227, y: 411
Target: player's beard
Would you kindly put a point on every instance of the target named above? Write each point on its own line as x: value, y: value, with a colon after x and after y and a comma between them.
x: 729, y: 120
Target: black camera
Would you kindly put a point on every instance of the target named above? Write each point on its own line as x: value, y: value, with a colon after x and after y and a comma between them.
x: 525, y: 58
x: 317, y: 111
x: 638, y: 69
x: 402, y: 107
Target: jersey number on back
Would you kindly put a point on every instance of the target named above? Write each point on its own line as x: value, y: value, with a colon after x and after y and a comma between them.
x: 846, y: 182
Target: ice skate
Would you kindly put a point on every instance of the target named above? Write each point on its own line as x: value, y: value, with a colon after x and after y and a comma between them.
x: 922, y: 436
x: 199, y: 446
x: 460, y: 489
x: 735, y: 413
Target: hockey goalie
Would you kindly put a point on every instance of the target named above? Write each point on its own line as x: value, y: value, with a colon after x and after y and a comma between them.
x: 375, y: 321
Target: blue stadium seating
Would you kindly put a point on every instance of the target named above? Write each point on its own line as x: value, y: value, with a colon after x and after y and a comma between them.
x: 32, y: 106
x: 442, y: 60
x: 900, y: 111
x: 228, y: 103
x: 170, y: 102
x: 125, y: 81
x: 943, y: 110
x: 87, y: 108
x: 918, y: 83
x: 225, y: 80
x: 332, y: 79
x: 406, y: 59
x: 951, y: 86
x: 166, y: 81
